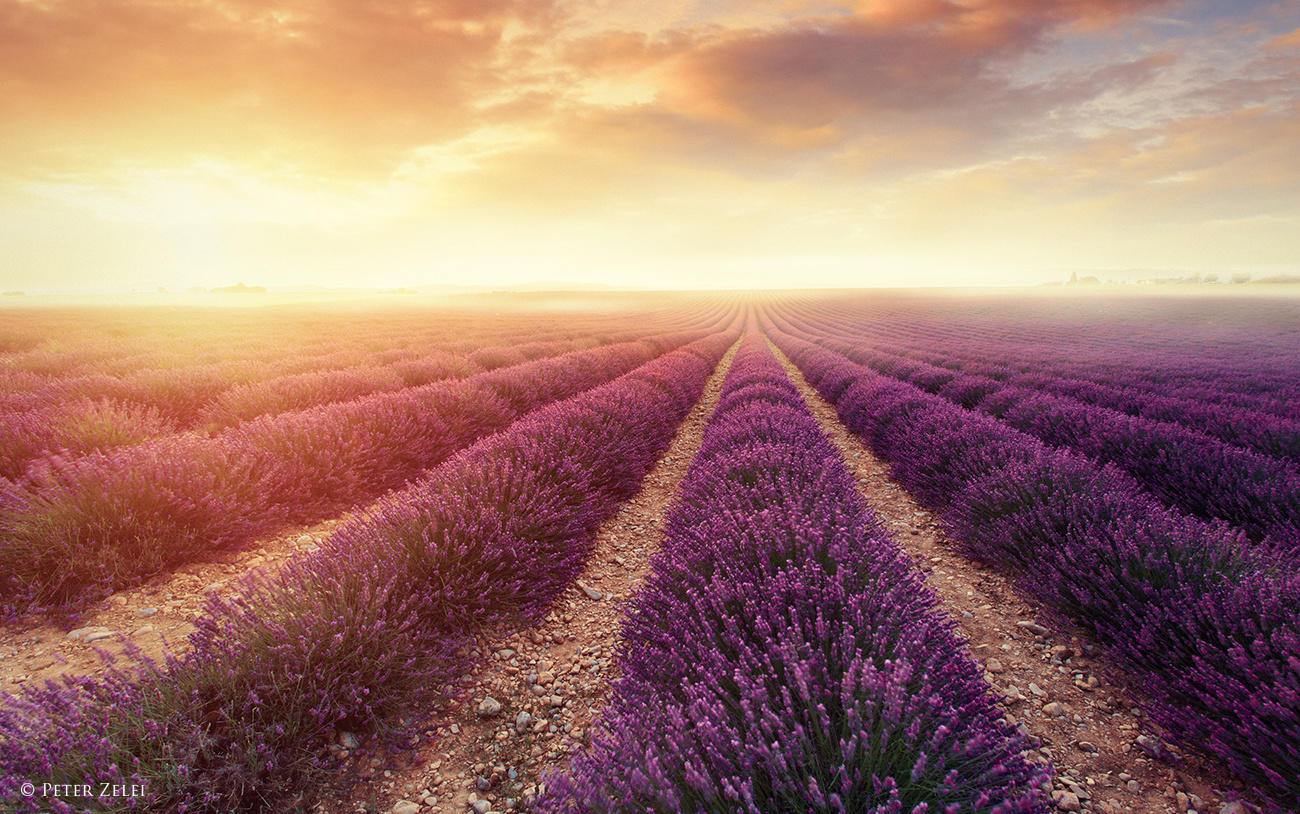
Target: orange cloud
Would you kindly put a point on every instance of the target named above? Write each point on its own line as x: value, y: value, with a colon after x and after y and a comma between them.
x: 892, y: 55
x: 351, y: 80
x: 1291, y: 40
x: 881, y: 92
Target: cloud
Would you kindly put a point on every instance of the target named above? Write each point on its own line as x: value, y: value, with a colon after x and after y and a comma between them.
x: 896, y: 56
x: 360, y: 87
x: 1228, y: 165
x: 1286, y: 41
x: 347, y: 82
x: 698, y: 132
x: 875, y: 86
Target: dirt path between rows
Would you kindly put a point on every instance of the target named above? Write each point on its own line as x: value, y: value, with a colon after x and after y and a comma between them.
x: 527, y: 705
x: 1054, y: 689
x: 156, y: 616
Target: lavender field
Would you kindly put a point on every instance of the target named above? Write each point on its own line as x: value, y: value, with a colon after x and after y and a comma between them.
x: 833, y: 552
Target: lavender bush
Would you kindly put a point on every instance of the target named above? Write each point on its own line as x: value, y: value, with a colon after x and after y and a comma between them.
x: 783, y: 656
x: 1190, y: 470
x: 100, y: 523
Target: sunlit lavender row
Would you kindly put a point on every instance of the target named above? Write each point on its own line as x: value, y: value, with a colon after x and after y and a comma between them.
x: 72, y: 416
x: 79, y: 528
x: 366, y: 633
x: 784, y: 655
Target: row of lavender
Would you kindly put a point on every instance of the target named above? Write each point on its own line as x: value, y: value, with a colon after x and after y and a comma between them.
x: 365, y: 634
x: 181, y: 389
x: 1236, y: 352
x: 76, y: 415
x: 1212, y: 406
x: 89, y: 526
x: 783, y: 656
x: 108, y: 352
x: 79, y: 426
x: 73, y: 342
x: 1205, y: 627
x: 1200, y: 475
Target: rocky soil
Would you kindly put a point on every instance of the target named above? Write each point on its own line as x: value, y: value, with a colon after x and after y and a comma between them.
x: 156, y: 616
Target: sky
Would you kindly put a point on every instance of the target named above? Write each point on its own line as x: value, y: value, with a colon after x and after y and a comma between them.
x: 682, y: 143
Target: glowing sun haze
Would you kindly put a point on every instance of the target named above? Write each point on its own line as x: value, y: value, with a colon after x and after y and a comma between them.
x: 755, y: 143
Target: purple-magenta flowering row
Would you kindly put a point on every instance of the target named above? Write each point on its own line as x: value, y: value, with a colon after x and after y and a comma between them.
x: 365, y: 634
x: 81, y: 528
x: 1238, y: 350
x: 1260, y: 431
x: 181, y: 374
x: 1235, y: 353
x: 1187, y: 469
x: 88, y: 381
x: 1206, y: 627
x: 782, y: 655
x: 81, y: 425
